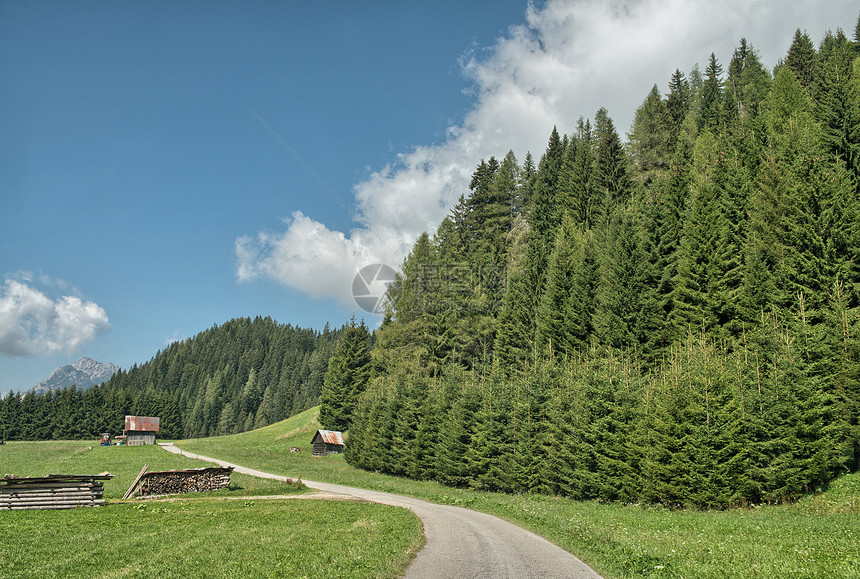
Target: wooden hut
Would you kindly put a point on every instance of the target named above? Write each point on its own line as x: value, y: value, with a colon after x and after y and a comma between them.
x: 327, y: 442
x: 140, y: 430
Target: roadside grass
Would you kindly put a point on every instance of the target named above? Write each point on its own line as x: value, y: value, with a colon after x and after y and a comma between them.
x: 816, y: 537
x: 211, y: 538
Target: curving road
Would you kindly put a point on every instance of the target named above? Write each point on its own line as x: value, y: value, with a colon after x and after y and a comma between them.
x: 460, y: 543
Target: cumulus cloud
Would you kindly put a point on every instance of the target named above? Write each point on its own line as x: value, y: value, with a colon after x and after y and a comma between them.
x: 570, y: 58
x: 32, y: 323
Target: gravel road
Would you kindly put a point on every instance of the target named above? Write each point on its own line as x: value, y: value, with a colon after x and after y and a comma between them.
x: 460, y: 543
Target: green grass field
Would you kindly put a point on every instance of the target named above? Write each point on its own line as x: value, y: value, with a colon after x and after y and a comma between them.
x: 210, y: 538
x: 124, y: 462
x: 197, y: 534
x: 814, y: 538
x: 252, y: 537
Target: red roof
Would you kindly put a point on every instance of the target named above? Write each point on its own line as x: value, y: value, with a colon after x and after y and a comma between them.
x: 142, y: 423
x: 330, y: 436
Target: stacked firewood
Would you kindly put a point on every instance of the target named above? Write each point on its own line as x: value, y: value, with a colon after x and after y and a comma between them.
x: 52, y: 491
x: 184, y: 481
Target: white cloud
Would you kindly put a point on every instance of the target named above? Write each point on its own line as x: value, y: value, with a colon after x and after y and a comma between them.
x: 570, y: 58
x: 32, y: 323
x: 311, y: 258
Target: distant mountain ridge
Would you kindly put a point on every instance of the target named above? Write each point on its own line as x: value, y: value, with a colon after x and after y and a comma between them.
x: 84, y: 373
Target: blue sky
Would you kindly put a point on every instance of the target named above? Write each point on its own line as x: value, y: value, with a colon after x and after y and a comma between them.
x: 167, y: 166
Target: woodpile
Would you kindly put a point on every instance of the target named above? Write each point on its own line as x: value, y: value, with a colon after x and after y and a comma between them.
x: 174, y: 482
x: 53, y: 491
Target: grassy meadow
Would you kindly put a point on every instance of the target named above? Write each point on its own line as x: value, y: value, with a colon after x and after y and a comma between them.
x: 124, y: 462
x: 210, y: 537
x: 816, y: 537
x: 197, y: 534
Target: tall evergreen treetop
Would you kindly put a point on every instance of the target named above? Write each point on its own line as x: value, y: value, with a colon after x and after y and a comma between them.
x: 651, y: 138
x: 613, y: 182
x: 346, y: 378
x: 544, y: 214
x: 747, y: 84
x: 801, y: 58
x: 677, y: 102
x: 710, y: 97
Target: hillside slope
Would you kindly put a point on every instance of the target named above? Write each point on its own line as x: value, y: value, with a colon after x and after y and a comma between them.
x: 230, y: 378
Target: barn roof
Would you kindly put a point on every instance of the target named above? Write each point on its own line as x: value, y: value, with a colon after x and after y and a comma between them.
x: 329, y: 436
x: 142, y: 423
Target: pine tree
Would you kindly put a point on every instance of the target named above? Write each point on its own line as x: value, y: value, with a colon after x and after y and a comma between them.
x: 544, y: 216
x: 801, y: 58
x: 677, y: 103
x: 786, y: 210
x: 577, y: 179
x: 508, y: 190
x: 838, y: 102
x: 710, y: 98
x: 613, y: 183
x: 346, y: 378
x: 533, y: 443
x: 527, y: 176
x: 453, y: 466
x: 621, y: 281
x: 651, y: 139
x: 516, y: 319
x: 432, y: 411
x: 558, y: 327
x: 678, y: 326
x: 493, y: 443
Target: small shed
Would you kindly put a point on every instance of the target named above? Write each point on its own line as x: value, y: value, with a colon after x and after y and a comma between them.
x: 140, y: 430
x: 327, y: 442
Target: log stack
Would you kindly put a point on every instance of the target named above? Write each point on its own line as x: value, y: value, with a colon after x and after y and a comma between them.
x: 184, y: 481
x: 54, y: 491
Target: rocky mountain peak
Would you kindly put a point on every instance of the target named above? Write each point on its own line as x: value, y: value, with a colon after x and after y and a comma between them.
x: 84, y: 373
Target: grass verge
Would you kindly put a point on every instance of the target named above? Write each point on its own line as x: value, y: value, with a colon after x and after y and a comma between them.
x: 210, y: 538
x: 814, y: 538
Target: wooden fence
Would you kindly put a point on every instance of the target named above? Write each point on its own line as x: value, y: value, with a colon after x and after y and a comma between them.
x: 54, y: 491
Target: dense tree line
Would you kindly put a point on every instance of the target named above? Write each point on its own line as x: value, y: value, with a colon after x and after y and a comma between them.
x: 230, y: 378
x: 673, y: 319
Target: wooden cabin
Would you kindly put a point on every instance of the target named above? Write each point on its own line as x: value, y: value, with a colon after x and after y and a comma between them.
x: 140, y: 430
x: 327, y: 442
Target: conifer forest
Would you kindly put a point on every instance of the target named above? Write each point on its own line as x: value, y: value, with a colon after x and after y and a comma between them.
x: 230, y: 378
x: 668, y: 318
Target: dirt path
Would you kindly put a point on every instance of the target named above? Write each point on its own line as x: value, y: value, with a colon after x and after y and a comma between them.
x: 460, y: 543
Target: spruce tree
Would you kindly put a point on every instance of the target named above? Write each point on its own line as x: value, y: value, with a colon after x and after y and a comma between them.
x: 711, y: 95
x: 621, y: 281
x: 801, y: 58
x: 677, y: 103
x: 697, y: 265
x: 516, y: 320
x: 558, y: 327
x: 346, y: 378
x: 651, y: 139
x: 613, y: 183
x: 544, y: 215
x: 577, y: 180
